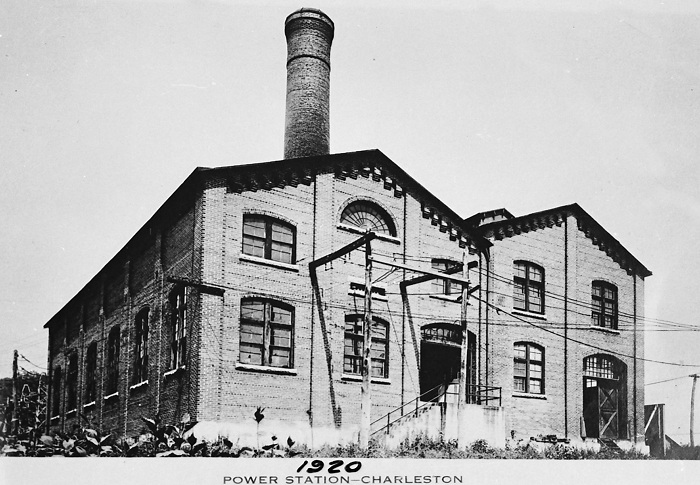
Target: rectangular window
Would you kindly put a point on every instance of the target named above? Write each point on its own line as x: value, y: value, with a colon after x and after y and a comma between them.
x: 354, y: 346
x: 72, y: 383
x: 266, y: 334
x: 445, y: 287
x: 268, y: 238
x: 604, y: 305
x: 113, y: 344
x: 141, y: 348
x: 90, y: 367
x: 56, y: 392
x: 178, y: 341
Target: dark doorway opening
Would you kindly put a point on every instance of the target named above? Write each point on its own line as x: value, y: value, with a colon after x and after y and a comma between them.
x: 604, y: 397
x: 441, y: 351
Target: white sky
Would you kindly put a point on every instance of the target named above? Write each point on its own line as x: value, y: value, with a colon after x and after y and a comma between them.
x: 106, y: 107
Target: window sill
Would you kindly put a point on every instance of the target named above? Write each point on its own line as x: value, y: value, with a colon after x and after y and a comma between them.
x: 172, y: 372
x: 382, y: 237
x: 527, y: 395
x: 451, y: 299
x: 268, y: 262
x: 266, y: 369
x: 110, y: 396
x: 89, y: 405
x: 610, y: 331
x: 139, y: 385
x: 72, y: 412
x: 357, y: 378
x: 523, y: 313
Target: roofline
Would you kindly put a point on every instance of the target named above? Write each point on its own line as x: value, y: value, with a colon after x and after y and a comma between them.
x: 578, y: 211
x: 194, y: 180
x: 188, y: 184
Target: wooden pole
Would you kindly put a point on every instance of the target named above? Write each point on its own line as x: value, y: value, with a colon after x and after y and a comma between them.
x: 366, y: 402
x: 14, y: 425
x: 464, y: 364
x: 692, y: 411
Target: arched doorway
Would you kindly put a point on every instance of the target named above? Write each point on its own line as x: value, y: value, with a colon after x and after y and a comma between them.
x: 604, y: 397
x: 440, y: 357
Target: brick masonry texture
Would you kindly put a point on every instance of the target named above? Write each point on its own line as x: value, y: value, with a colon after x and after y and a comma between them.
x: 201, y: 242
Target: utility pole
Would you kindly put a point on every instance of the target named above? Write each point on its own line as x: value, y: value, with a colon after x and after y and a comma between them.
x: 14, y: 423
x: 692, y: 410
x: 366, y: 402
x: 464, y: 362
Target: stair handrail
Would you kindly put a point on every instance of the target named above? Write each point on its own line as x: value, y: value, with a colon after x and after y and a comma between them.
x: 415, y: 410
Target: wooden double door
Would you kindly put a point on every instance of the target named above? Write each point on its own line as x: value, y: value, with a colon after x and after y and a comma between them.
x: 602, y: 408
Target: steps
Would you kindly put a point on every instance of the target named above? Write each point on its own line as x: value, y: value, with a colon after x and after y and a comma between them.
x: 609, y: 445
x: 426, y: 421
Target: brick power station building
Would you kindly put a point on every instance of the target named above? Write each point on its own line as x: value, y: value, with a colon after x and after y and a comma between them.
x: 235, y: 295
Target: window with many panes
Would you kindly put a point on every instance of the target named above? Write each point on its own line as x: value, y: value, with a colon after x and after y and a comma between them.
x: 178, y: 320
x: 112, y: 361
x: 604, y: 305
x: 269, y: 238
x: 528, y: 287
x: 56, y: 392
x: 368, y: 216
x: 528, y: 368
x: 141, y: 347
x: 445, y: 287
x: 72, y: 383
x: 266, y: 333
x: 354, y: 346
x: 90, y: 377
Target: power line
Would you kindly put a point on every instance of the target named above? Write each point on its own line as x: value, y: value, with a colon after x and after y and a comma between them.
x: 497, y: 308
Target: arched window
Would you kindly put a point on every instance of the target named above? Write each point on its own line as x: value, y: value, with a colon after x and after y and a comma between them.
x: 528, y: 368
x: 604, y: 304
x: 141, y: 347
x: 72, y: 383
x: 528, y: 287
x: 368, y: 216
x: 90, y: 368
x: 178, y: 320
x: 269, y: 238
x: 354, y: 346
x: 113, y: 345
x: 266, y: 333
x: 56, y: 394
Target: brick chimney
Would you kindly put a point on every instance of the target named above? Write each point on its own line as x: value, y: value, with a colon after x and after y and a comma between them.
x: 309, y: 34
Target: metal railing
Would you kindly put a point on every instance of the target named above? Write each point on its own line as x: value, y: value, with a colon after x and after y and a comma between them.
x: 476, y: 394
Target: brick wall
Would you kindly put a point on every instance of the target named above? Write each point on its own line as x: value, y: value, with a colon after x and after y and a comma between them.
x: 532, y: 415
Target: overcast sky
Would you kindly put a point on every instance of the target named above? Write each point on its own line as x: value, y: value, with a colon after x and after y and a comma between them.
x: 106, y: 107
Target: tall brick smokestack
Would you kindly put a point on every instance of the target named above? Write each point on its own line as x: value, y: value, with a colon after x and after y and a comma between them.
x: 309, y: 34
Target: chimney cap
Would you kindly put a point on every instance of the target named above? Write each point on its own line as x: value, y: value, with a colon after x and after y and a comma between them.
x: 313, y: 13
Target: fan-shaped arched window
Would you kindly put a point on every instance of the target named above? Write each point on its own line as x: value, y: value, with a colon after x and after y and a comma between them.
x: 366, y: 215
